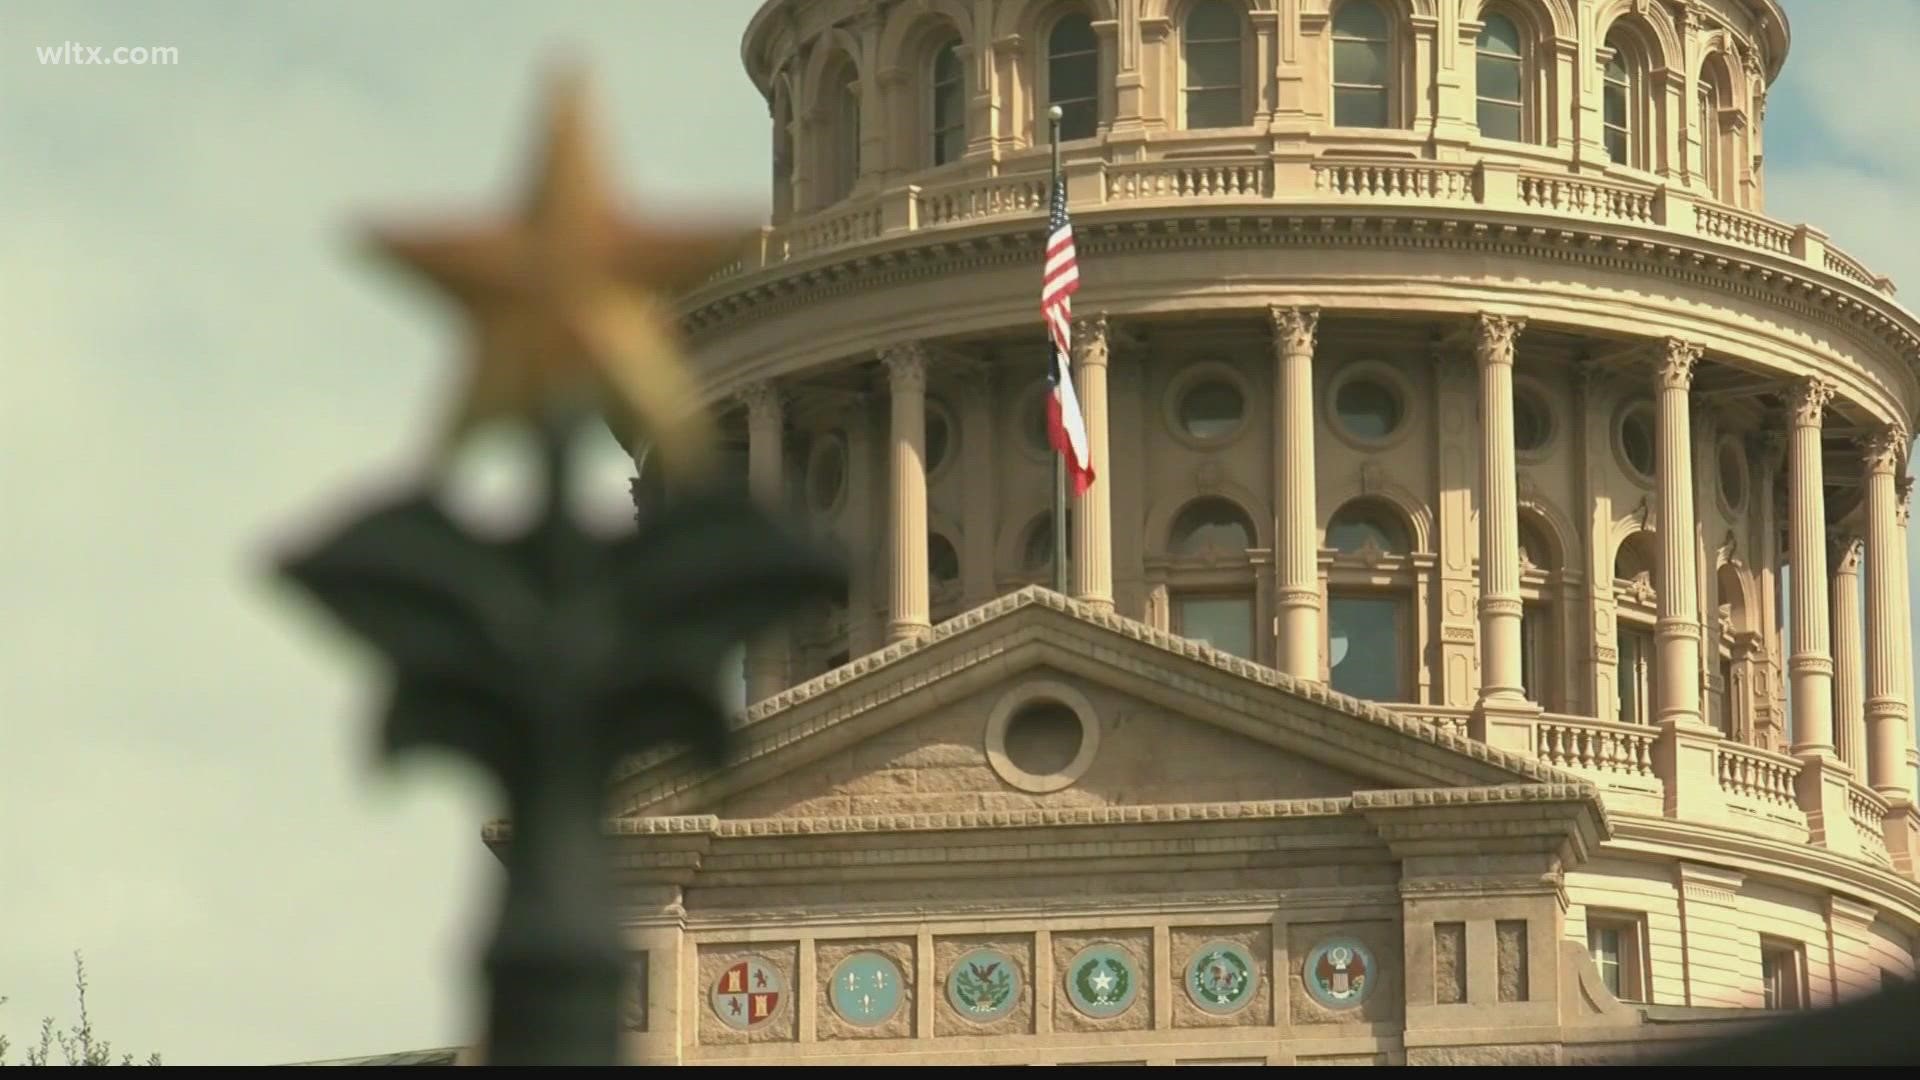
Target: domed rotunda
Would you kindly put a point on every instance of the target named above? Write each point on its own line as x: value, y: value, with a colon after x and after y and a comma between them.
x: 1485, y: 638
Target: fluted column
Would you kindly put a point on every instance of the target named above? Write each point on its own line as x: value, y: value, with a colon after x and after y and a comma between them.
x: 1849, y: 696
x: 1811, y: 665
x: 1903, y: 572
x: 1887, y: 708
x: 1093, y: 518
x: 907, y: 606
x: 1678, y: 628
x: 766, y: 461
x: 1298, y: 558
x: 1500, y: 605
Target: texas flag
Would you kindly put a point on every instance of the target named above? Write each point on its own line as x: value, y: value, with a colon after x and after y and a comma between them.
x: 1066, y: 428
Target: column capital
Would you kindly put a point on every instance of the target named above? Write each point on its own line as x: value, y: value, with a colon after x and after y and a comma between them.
x: 1294, y: 328
x: 1677, y: 364
x: 765, y: 403
x: 1883, y: 451
x: 906, y: 365
x: 1845, y: 550
x: 1090, y: 339
x: 1494, y: 337
x: 1808, y: 401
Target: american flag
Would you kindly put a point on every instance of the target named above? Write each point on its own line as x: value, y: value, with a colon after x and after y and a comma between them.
x: 1066, y: 428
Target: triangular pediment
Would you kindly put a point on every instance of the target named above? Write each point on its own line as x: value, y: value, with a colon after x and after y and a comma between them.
x: 980, y: 715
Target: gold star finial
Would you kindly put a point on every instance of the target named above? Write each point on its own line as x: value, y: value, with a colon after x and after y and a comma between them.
x: 569, y: 301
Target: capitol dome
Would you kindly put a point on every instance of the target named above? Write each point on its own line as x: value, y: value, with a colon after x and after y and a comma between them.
x: 1463, y: 433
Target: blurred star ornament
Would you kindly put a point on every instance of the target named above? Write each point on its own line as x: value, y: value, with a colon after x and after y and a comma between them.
x: 548, y: 656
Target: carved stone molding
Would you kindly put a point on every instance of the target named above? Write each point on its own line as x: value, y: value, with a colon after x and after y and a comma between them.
x: 1677, y: 364
x: 906, y: 366
x: 1808, y: 401
x: 1884, y: 450
x: 1294, y: 329
x: 765, y: 404
x: 1494, y: 337
x: 1845, y: 552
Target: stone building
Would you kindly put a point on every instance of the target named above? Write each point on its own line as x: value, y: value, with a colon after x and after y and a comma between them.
x: 1464, y: 431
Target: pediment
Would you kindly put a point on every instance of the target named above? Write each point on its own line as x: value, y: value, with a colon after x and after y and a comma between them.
x: 910, y: 729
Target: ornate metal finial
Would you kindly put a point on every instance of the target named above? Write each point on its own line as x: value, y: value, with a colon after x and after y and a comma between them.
x: 548, y: 656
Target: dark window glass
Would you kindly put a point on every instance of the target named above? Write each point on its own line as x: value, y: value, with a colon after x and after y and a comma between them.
x: 1362, y: 65
x: 1225, y: 622
x: 1211, y: 409
x: 949, y: 106
x: 1211, y: 525
x: 1364, y: 647
x: 1073, y: 76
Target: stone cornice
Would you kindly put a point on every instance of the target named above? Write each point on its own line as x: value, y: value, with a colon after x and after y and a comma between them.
x: 1764, y: 858
x: 993, y: 630
x: 1014, y: 241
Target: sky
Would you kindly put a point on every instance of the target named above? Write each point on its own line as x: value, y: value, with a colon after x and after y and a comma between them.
x: 196, y: 360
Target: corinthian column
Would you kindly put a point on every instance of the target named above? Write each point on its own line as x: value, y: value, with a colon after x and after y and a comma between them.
x: 1849, y: 715
x: 766, y: 460
x: 1500, y: 605
x: 907, y: 606
x: 1887, y: 708
x: 1678, y: 628
x: 1297, y: 569
x: 1811, y: 666
x: 1093, y: 522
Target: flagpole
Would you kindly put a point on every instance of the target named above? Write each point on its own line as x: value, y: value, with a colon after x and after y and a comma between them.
x: 1059, y: 461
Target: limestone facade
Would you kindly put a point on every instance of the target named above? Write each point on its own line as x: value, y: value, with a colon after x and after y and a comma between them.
x: 1423, y: 697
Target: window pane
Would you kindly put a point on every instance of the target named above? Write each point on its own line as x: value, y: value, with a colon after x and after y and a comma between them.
x: 1604, y: 944
x: 1213, y: 65
x: 1078, y: 120
x: 1355, y: 527
x: 1363, y: 651
x: 1360, y: 63
x: 1212, y: 20
x: 1617, y: 145
x: 1498, y: 121
x: 1214, y: 109
x: 1615, y: 102
x: 1499, y: 36
x: 946, y: 65
x: 1533, y: 624
x: 1367, y: 409
x: 1212, y: 409
x: 1225, y: 622
x: 1071, y: 34
x: 1360, y: 108
x: 1359, y: 18
x: 949, y: 145
x: 1072, y: 77
x: 1212, y: 525
x: 1499, y: 78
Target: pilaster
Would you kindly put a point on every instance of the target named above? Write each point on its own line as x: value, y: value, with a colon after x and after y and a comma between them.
x: 1599, y: 694
x: 767, y: 655
x: 1454, y: 409
x: 977, y: 450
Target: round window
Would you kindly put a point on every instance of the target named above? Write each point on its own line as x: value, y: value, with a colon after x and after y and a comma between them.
x: 1637, y: 441
x: 1733, y: 476
x: 828, y: 474
x: 1043, y: 738
x: 943, y: 563
x: 1211, y: 409
x: 1367, y: 409
x: 939, y: 436
x: 1532, y: 423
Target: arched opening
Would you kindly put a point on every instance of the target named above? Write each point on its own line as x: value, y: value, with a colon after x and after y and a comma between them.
x: 1714, y: 108
x: 1213, y: 51
x: 840, y: 107
x: 1500, y: 79
x: 1540, y: 618
x: 1073, y: 76
x: 1737, y: 655
x: 1635, y: 569
x: 782, y: 152
x: 1625, y: 99
x: 949, y: 105
x: 1210, y: 588
x: 1363, y: 66
x: 1370, y: 602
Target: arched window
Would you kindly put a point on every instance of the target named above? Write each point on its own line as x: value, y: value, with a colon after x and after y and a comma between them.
x: 1370, y: 602
x: 841, y: 167
x: 949, y: 105
x: 1715, y: 160
x: 1210, y: 591
x: 1212, y: 46
x: 1073, y: 76
x: 1622, y: 100
x: 1209, y: 526
x: 1539, y: 613
x: 782, y: 154
x: 1500, y: 78
x: 1362, y: 66
x: 1635, y: 572
x: 1738, y: 656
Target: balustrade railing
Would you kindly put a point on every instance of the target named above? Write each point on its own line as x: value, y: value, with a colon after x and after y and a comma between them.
x: 1595, y: 746
x: 1749, y: 772
x: 1868, y: 811
x: 1259, y: 179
